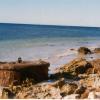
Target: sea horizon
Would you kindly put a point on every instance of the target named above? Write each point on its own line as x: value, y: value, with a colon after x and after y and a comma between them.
x: 58, y: 25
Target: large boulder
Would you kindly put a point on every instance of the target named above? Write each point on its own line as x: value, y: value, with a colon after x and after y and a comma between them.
x: 84, y: 50
x: 82, y: 66
x: 77, y: 66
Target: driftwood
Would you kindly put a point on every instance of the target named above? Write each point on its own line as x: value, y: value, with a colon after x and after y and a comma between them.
x: 14, y: 71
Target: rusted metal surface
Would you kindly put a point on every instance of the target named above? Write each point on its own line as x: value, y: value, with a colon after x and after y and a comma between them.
x: 8, y: 77
x: 25, y: 64
x: 14, y: 71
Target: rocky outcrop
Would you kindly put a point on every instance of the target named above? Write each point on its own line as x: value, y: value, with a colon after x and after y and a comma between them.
x: 14, y: 72
x: 96, y: 66
x: 85, y: 73
x: 37, y: 91
x: 77, y: 79
x: 97, y: 50
x: 77, y: 66
x: 68, y: 88
x: 84, y: 50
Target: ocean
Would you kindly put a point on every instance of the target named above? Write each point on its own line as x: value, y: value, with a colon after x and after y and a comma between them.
x: 47, y: 42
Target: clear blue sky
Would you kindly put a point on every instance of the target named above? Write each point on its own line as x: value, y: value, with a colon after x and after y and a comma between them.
x: 59, y: 12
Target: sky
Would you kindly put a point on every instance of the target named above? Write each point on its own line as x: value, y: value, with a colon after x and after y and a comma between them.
x: 53, y: 12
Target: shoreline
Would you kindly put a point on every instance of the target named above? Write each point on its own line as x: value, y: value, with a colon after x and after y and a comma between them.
x: 62, y: 57
x: 66, y: 80
x: 41, y: 48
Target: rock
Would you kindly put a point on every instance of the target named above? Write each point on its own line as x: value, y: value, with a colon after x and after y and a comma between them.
x: 68, y: 89
x: 93, y: 80
x: 88, y: 84
x: 55, y: 83
x: 72, y: 49
x: 94, y: 95
x: 15, y: 72
x: 1, y: 90
x: 84, y: 50
x: 82, y: 66
x: 97, y: 95
x: 59, y: 83
x: 81, y: 90
x: 77, y: 66
x: 85, y: 94
x: 97, y: 50
x: 71, y: 97
x: 96, y: 66
x: 84, y: 80
x: 88, y: 73
x: 91, y: 95
x: 39, y: 92
x: 7, y: 94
